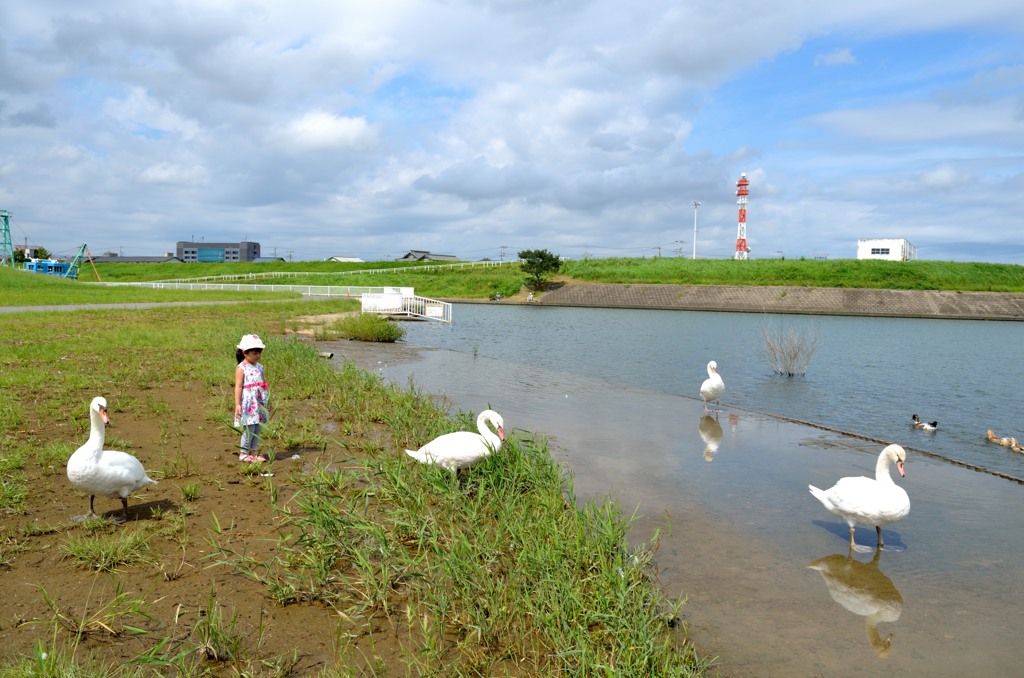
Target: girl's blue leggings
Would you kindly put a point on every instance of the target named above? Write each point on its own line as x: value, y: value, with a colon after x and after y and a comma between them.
x: 251, y: 437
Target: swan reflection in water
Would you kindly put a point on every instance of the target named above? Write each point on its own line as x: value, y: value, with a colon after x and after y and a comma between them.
x: 862, y: 589
x: 711, y: 434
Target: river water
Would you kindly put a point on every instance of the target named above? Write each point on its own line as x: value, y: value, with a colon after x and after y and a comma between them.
x: 771, y: 586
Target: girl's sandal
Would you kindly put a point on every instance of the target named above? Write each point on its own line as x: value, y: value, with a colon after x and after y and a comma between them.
x: 247, y: 458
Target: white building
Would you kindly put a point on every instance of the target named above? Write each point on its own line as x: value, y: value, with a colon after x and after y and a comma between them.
x: 889, y: 249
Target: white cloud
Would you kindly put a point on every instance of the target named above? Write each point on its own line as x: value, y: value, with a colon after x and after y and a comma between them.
x: 319, y: 130
x: 173, y: 174
x: 836, y: 58
x: 145, y: 116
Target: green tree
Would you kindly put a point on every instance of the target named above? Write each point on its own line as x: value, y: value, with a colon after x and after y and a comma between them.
x: 538, y: 265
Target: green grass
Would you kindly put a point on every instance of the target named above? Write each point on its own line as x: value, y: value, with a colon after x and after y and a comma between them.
x: 106, y: 552
x: 851, y: 273
x: 492, y: 571
x: 21, y: 288
x: 362, y: 326
x: 483, y: 282
x: 170, y: 271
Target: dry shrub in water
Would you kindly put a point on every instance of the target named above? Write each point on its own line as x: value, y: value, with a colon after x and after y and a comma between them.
x: 789, y: 351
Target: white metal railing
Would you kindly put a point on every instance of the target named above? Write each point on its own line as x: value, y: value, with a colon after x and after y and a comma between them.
x: 394, y: 269
x: 399, y: 301
x: 408, y: 306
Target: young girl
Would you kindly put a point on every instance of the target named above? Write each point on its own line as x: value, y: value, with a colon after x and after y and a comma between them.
x: 251, y: 396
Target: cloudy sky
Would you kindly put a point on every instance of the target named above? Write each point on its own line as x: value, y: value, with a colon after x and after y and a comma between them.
x: 483, y: 127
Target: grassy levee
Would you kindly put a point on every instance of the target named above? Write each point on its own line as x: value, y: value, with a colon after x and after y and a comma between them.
x: 481, y: 283
x: 497, y: 571
x: 851, y: 273
x: 116, y: 272
x: 22, y: 288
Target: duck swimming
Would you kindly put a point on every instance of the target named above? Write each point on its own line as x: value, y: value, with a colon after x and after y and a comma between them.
x: 107, y: 473
x: 924, y: 425
x: 1005, y: 442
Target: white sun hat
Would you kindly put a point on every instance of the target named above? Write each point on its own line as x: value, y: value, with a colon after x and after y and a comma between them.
x: 250, y: 341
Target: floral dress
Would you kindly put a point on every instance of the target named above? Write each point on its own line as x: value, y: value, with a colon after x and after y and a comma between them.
x: 255, y: 395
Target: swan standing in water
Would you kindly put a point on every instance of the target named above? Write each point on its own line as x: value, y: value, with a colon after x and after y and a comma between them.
x: 924, y: 425
x: 461, y: 449
x: 107, y: 473
x: 877, y: 501
x: 713, y: 387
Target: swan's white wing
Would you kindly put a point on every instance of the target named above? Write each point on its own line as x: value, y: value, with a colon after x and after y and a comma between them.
x: 453, y: 450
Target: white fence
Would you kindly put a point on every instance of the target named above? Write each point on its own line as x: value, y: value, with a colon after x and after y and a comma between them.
x: 392, y: 301
x: 362, y: 271
x: 400, y: 305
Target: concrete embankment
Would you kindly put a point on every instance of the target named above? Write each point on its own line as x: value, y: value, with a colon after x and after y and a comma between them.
x: 800, y: 300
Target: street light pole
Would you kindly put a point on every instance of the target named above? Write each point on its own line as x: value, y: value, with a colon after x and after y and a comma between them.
x: 695, y: 206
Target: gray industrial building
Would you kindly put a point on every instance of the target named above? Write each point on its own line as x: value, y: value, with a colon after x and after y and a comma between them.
x: 207, y: 252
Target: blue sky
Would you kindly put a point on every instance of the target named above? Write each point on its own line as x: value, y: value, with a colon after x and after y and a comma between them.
x: 483, y: 127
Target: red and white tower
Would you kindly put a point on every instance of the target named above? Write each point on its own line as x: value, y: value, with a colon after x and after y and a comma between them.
x: 741, y: 230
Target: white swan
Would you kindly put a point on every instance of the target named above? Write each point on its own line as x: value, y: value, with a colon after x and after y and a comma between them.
x: 870, y: 502
x: 923, y: 425
x: 107, y: 473
x: 460, y: 449
x: 711, y: 434
x: 863, y: 589
x: 713, y: 387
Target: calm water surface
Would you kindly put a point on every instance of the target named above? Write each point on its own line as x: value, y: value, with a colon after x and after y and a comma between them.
x: 772, y: 589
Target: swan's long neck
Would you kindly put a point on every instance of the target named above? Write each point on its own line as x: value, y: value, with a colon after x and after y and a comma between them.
x: 882, y: 470
x: 98, y: 433
x: 492, y: 439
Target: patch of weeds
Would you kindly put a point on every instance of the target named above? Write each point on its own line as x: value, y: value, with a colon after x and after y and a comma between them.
x: 219, y: 640
x: 253, y: 468
x: 13, y: 460
x: 106, y: 552
x: 53, y: 457
x: 165, y: 655
x: 364, y: 327
x: 13, y: 492
x: 35, y: 529
x: 11, y: 415
x: 180, y: 466
x: 189, y: 492
x: 110, y: 619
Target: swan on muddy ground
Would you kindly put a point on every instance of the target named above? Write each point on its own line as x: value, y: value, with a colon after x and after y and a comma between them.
x: 107, y: 473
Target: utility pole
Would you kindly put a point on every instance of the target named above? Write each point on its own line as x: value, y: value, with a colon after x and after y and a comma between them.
x: 696, y: 204
x: 503, y: 248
